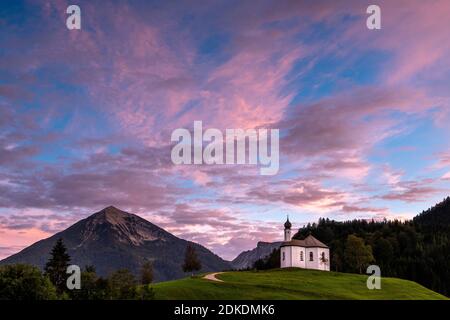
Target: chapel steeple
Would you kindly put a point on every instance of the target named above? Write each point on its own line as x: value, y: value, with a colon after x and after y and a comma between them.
x: 287, y: 230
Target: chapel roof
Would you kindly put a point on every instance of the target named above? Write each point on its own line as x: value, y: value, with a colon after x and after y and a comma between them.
x: 308, y: 242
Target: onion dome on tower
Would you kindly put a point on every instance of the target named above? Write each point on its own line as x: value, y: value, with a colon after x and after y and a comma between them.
x: 287, y: 224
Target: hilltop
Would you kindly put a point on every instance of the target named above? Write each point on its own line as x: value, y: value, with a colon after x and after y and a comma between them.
x: 291, y: 284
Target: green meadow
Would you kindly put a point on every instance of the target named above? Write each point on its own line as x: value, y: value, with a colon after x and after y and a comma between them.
x: 290, y: 284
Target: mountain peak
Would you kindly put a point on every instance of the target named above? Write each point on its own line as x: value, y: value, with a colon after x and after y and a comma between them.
x: 123, y: 227
x: 111, y: 210
x: 112, y: 215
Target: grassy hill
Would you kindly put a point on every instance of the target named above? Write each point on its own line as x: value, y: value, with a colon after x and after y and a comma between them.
x: 290, y: 284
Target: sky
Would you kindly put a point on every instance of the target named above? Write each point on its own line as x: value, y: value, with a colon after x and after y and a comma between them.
x: 86, y: 115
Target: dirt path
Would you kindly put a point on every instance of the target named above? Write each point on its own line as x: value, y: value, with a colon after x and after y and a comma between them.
x: 212, y: 277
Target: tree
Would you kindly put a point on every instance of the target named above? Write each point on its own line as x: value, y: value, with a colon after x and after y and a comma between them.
x: 88, y: 288
x: 337, y: 255
x: 90, y: 268
x: 384, y: 253
x: 147, y: 273
x: 336, y: 260
x: 357, y: 254
x: 25, y: 282
x: 146, y: 293
x: 259, y: 264
x: 92, y: 287
x: 56, y: 266
x: 271, y: 261
x: 122, y: 285
x: 101, y: 289
x: 191, y: 261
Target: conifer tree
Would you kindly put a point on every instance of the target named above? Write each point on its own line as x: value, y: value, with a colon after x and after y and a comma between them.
x: 56, y: 266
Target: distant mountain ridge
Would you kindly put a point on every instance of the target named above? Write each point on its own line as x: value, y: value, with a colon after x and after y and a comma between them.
x: 247, y: 258
x: 112, y: 239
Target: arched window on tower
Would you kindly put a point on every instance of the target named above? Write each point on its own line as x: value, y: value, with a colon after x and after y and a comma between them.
x: 311, y: 256
x: 284, y: 256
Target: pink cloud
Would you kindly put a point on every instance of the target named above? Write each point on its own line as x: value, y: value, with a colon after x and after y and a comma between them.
x: 421, y: 27
x: 443, y: 160
x: 370, y: 210
x: 446, y: 176
x: 330, y: 125
x: 413, y: 191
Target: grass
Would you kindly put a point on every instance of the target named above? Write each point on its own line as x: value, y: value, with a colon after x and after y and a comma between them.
x: 289, y: 284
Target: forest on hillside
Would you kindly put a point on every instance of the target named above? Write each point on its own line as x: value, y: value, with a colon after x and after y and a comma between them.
x: 417, y: 250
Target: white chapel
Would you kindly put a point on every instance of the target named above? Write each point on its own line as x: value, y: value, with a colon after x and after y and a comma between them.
x: 308, y: 253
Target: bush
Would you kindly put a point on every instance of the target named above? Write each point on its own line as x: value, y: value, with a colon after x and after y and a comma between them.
x: 122, y: 285
x: 92, y: 287
x: 25, y: 282
x: 146, y: 293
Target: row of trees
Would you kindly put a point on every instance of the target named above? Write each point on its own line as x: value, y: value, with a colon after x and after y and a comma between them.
x: 26, y: 282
